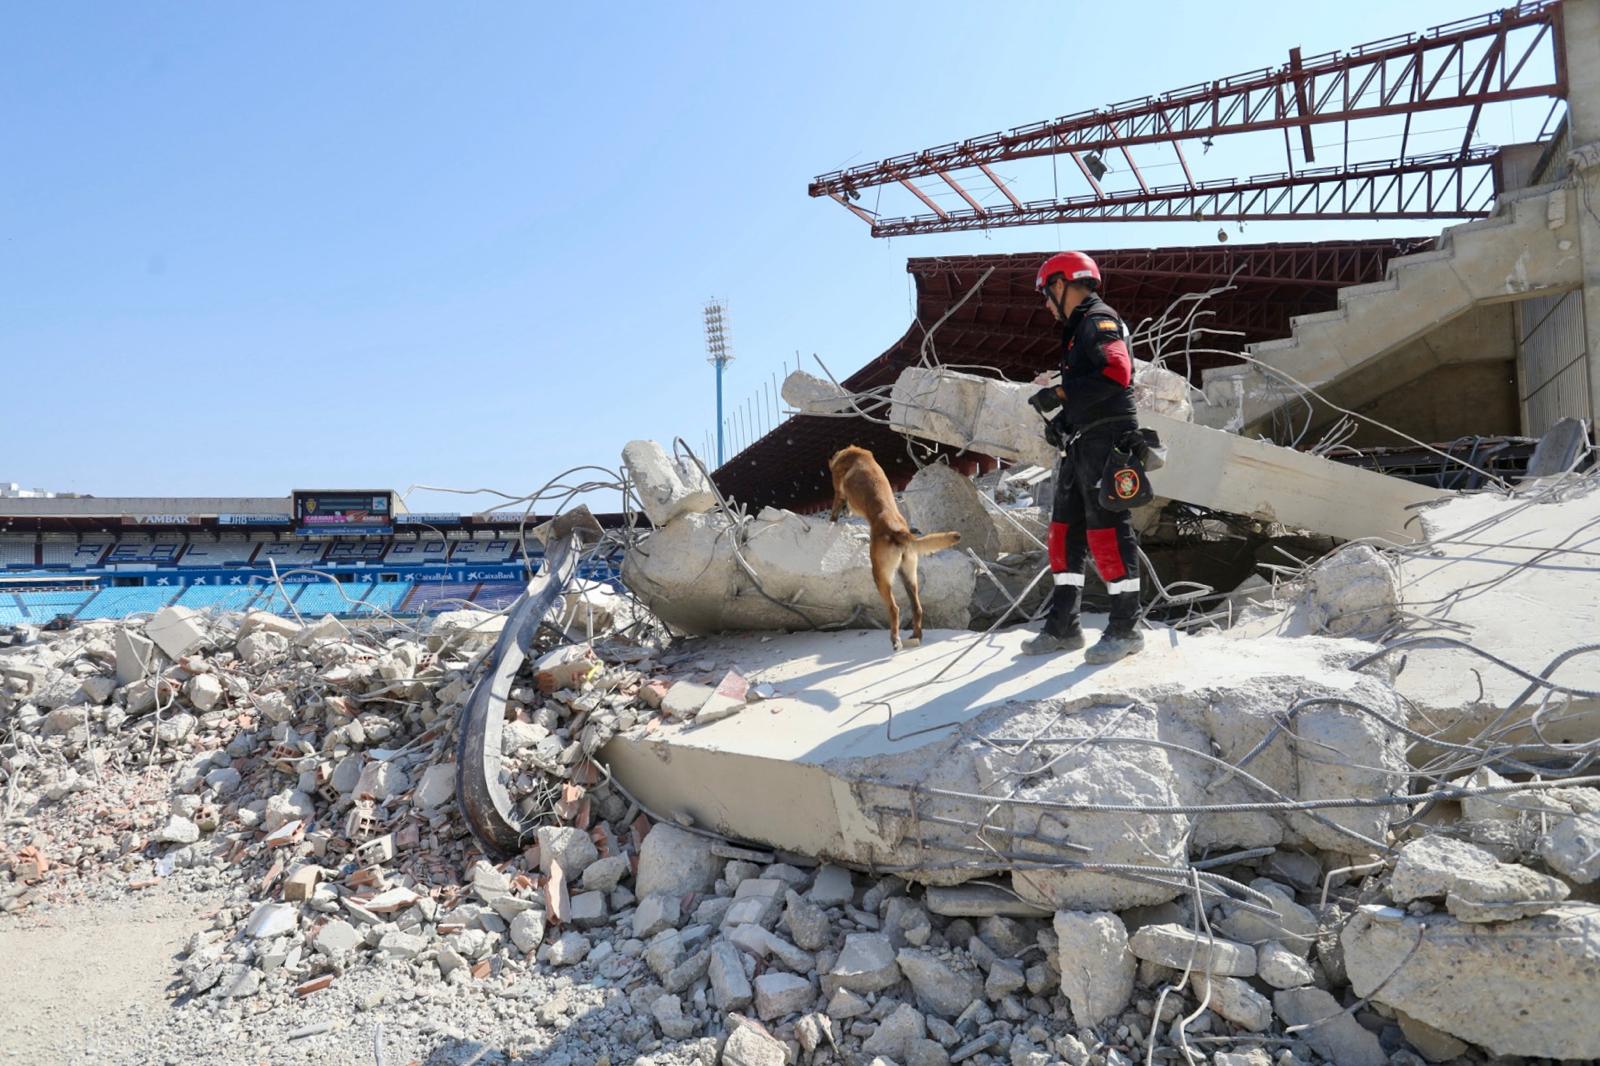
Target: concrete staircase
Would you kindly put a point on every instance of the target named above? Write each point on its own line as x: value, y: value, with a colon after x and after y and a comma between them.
x: 1448, y: 305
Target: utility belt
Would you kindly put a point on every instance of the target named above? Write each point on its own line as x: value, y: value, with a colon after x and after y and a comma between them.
x: 1125, y: 483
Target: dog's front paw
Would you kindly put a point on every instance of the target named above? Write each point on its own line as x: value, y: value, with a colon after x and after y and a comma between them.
x: 914, y: 642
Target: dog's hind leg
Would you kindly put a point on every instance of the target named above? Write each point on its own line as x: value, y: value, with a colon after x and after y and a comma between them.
x: 883, y: 567
x: 908, y: 574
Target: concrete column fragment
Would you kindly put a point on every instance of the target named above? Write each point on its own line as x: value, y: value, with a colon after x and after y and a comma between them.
x: 1206, y: 467
x: 667, y: 487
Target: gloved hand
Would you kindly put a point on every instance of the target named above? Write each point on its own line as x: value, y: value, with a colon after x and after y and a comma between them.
x: 1056, y: 432
x: 1045, y: 400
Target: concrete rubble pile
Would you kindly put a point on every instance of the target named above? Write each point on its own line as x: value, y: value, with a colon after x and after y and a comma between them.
x: 1211, y: 863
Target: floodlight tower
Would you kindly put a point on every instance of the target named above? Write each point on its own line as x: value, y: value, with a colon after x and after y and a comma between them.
x: 719, y: 353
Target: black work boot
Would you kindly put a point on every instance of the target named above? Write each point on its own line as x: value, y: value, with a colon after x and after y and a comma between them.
x: 1061, y: 631
x: 1121, y: 638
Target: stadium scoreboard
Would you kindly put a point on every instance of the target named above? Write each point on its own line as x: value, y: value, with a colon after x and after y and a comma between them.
x: 349, y: 512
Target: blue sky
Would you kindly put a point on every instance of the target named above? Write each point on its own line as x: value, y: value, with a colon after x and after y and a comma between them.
x: 245, y: 249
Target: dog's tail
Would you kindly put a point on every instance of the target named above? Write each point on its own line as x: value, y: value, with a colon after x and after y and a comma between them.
x: 931, y: 542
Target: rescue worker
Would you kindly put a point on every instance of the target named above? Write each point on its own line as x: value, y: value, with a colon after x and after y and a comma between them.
x: 1095, y: 401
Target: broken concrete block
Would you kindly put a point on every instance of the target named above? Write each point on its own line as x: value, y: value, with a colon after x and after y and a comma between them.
x: 1179, y: 948
x: 1331, y: 1031
x: 603, y: 875
x: 437, y: 787
x: 1005, y: 977
x: 527, y: 930
x: 903, y: 1025
x: 1295, y: 927
x: 748, y: 1046
x: 777, y: 994
x: 1162, y: 391
x: 730, y: 986
x: 570, y: 666
x: 667, y: 1009
x: 572, y: 848
x: 570, y: 950
x: 1572, y: 848
x: 1235, y: 1000
x: 684, y: 700
x: 176, y: 631
x: 177, y: 831
x: 328, y: 628
x: 271, y: 919
x: 1502, y: 893
x: 302, y: 882
x: 1280, y: 967
x: 335, y: 937
x: 1355, y: 592
x: 1097, y: 966
x: 812, y: 395
x: 941, y: 986
x: 204, y: 692
x: 655, y: 912
x: 667, y: 487
x: 136, y: 655
x: 865, y: 964
x: 939, y: 498
x: 470, y: 627
x: 379, y: 781
x: 675, y: 862
x: 832, y: 887
x: 285, y: 807
x: 267, y: 622
x: 1516, y: 988
x: 1428, y: 867
x: 806, y: 922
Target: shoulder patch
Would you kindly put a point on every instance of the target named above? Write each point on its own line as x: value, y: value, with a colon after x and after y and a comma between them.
x: 1107, y: 325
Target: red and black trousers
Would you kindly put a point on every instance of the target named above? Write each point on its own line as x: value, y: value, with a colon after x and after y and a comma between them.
x: 1080, y: 528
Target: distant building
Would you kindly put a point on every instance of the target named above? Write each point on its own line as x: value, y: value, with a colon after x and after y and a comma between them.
x: 10, y: 490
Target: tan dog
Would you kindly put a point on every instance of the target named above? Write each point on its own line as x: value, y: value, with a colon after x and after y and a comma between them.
x: 860, y: 483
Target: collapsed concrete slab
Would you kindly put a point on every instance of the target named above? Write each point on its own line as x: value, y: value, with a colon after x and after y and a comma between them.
x: 1516, y: 577
x: 1206, y: 467
x: 709, y: 573
x: 906, y: 763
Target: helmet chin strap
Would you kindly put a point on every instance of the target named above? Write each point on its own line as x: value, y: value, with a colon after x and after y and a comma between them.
x: 1060, y: 304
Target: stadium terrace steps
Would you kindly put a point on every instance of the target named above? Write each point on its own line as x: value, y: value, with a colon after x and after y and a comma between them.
x: 1527, y: 247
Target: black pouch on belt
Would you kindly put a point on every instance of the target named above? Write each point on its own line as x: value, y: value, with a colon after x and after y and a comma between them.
x: 1123, y: 484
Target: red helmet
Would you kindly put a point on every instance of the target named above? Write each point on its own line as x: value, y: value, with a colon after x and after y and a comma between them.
x: 1075, y: 265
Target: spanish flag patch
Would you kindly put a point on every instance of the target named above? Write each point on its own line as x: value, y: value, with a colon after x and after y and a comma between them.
x: 1105, y: 325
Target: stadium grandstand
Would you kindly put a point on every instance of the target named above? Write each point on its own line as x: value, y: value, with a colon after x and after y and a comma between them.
x: 352, y: 554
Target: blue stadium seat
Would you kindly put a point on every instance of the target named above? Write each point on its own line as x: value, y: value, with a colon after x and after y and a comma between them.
x: 219, y: 597
x: 385, y: 598
x: 11, y: 610
x: 440, y: 596
x: 326, y: 597
x: 496, y: 594
x: 43, y: 606
x: 119, y: 603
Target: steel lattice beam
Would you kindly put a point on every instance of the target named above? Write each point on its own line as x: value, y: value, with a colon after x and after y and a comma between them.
x: 1443, y: 186
x: 1466, y: 64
